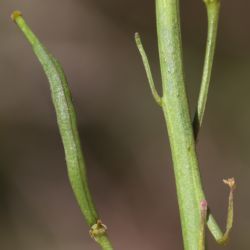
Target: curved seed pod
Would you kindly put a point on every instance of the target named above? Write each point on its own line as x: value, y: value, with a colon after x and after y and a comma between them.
x: 67, y: 123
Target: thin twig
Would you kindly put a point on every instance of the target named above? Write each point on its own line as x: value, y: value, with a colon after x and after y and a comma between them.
x: 213, y: 8
x: 145, y: 61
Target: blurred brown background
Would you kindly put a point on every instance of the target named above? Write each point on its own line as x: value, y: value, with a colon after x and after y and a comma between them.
x: 122, y: 129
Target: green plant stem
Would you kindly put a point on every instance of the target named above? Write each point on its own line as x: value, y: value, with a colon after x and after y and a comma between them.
x: 213, y: 9
x: 67, y: 122
x: 176, y: 112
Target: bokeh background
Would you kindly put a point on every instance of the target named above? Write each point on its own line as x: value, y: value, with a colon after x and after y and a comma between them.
x: 122, y: 130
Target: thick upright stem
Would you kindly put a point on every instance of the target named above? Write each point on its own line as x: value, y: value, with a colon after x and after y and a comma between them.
x: 176, y: 112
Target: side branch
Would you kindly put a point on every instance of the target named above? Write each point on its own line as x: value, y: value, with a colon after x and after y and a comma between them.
x: 221, y: 238
x: 203, y: 208
x: 145, y: 61
x: 213, y: 9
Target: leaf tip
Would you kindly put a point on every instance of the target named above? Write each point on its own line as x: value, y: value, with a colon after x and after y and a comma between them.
x: 137, y: 38
x: 15, y: 14
x: 230, y: 182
